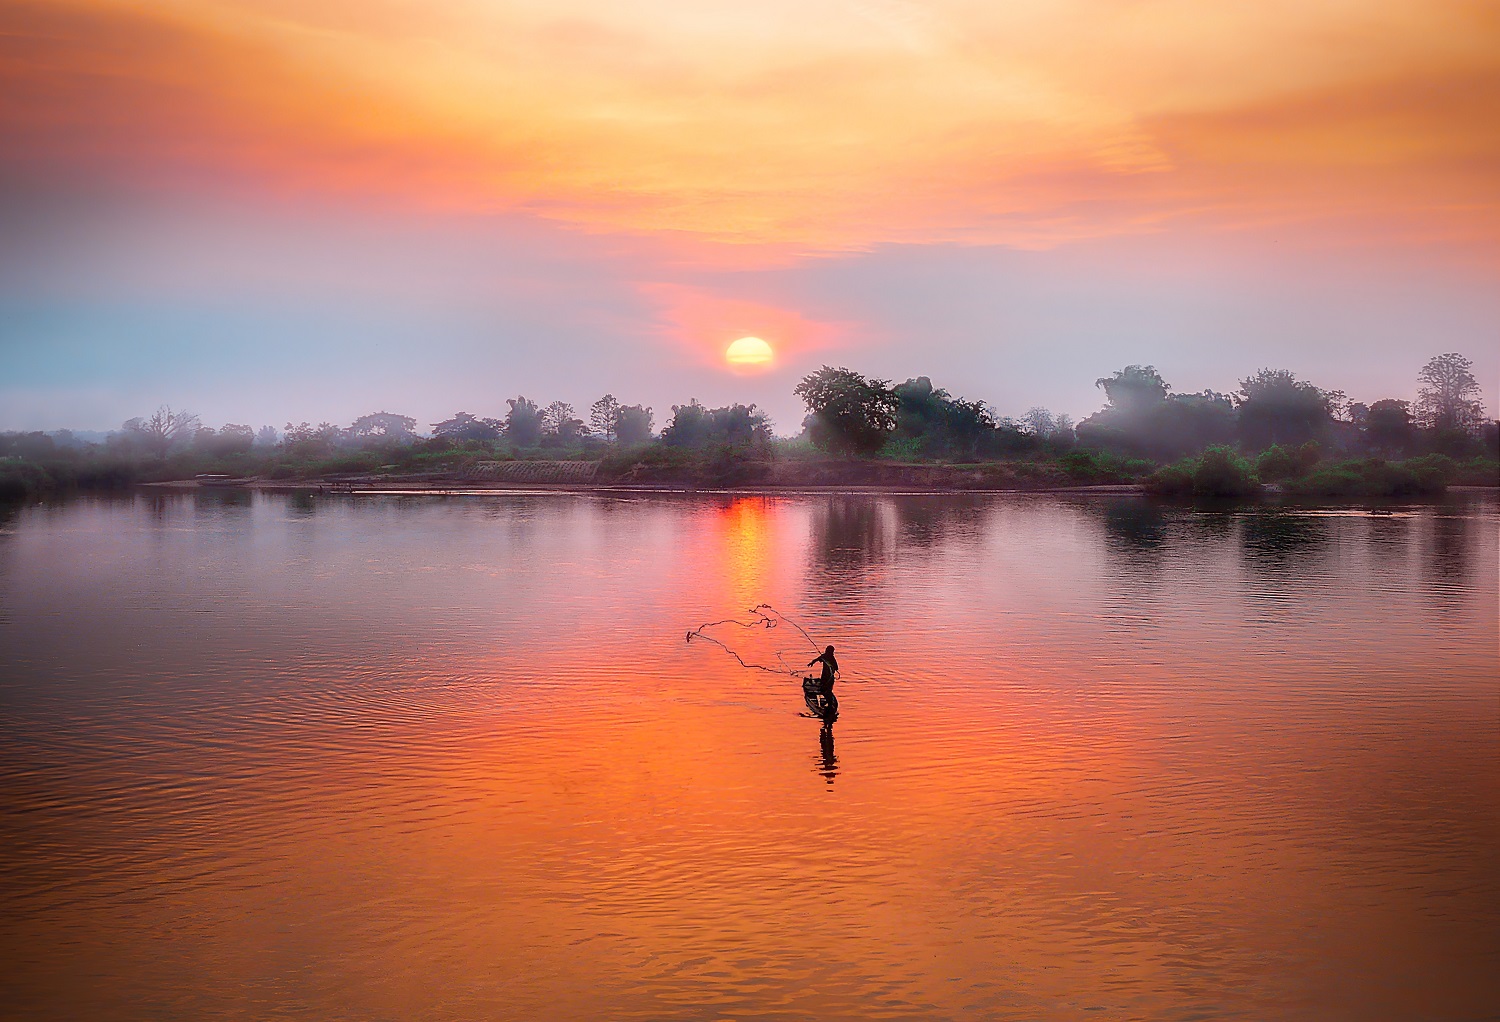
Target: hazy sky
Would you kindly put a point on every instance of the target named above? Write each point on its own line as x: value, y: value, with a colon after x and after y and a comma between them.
x: 272, y: 210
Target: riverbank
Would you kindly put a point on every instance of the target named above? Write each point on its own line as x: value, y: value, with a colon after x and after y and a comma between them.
x: 1217, y: 474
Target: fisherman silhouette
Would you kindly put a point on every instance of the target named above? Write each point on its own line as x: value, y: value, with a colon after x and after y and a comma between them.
x: 827, y: 706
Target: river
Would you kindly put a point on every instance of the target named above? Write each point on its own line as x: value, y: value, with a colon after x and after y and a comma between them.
x: 407, y: 757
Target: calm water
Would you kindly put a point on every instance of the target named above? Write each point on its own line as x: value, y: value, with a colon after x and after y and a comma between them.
x: 377, y: 757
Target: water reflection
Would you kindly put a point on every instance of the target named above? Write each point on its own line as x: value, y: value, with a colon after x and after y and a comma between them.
x: 456, y: 751
x: 850, y: 534
x: 1448, y: 549
x: 214, y: 501
x: 1277, y: 543
x: 828, y: 764
x: 926, y: 522
x: 1134, y: 525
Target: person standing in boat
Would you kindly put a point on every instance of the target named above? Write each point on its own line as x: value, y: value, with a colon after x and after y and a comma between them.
x: 825, y: 683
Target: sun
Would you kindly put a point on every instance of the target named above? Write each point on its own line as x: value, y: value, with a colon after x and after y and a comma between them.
x: 749, y: 351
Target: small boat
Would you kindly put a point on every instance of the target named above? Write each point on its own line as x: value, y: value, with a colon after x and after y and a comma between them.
x: 826, y: 711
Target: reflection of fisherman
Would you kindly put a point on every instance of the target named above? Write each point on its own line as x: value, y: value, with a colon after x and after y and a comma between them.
x: 825, y: 683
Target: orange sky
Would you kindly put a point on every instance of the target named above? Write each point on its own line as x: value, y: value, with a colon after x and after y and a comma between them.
x: 823, y: 125
x: 577, y: 197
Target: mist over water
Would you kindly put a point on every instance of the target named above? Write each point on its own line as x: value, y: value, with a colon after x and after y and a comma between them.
x: 270, y: 756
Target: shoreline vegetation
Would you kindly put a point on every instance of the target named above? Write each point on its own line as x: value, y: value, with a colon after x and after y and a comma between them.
x: 1277, y: 437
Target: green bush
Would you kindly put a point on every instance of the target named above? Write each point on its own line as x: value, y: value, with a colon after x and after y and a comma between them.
x: 1223, y: 473
x: 902, y: 448
x: 1216, y: 473
x: 1174, y: 480
x: 1275, y: 463
x: 1376, y: 477
x: 1092, y: 465
x: 1478, y: 472
x: 1434, y: 471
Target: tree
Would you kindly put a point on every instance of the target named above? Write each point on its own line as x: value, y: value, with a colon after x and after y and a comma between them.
x: 847, y: 414
x: 1143, y: 418
x: 1134, y: 388
x: 387, y: 426
x: 464, y: 426
x: 559, y: 421
x: 267, y: 436
x: 633, y: 425
x: 163, y: 429
x: 1039, y: 422
x: 1277, y: 408
x: 232, y: 439
x: 523, y: 423
x: 1388, y: 425
x: 737, y: 425
x: 308, y: 442
x: 1449, y: 398
x: 604, y: 416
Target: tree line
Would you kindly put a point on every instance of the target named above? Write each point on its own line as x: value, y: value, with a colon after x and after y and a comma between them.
x: 1284, y: 423
x: 1142, y: 418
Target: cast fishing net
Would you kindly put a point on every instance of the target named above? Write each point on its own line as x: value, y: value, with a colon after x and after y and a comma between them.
x: 764, y: 618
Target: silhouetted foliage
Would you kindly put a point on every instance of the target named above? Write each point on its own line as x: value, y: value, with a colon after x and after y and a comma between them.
x: 1134, y: 388
x: 1144, y: 420
x: 464, y: 426
x: 1288, y: 432
x: 847, y: 414
x: 307, y: 442
x: 1449, y: 395
x: 693, y: 425
x: 383, y: 426
x: 932, y: 423
x: 1388, y: 426
x: 633, y: 424
x: 1277, y: 408
x: 162, y: 430
x: 559, y: 423
x: 604, y: 416
x: 523, y: 423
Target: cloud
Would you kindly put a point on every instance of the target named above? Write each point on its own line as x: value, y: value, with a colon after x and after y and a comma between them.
x: 812, y: 128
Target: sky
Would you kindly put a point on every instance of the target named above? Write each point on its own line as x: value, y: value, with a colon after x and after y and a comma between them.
x: 271, y: 211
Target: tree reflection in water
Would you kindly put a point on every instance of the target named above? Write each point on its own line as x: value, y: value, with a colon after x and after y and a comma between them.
x: 1276, y: 543
x: 850, y: 534
x: 1446, y: 553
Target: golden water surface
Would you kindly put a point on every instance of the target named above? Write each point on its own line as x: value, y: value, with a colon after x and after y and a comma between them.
x: 381, y: 757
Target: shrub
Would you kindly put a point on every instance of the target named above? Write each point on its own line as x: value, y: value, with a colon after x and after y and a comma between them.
x: 21, y: 479
x: 1172, y: 480
x: 1376, y: 477
x: 1217, y: 472
x: 1275, y: 463
x: 1478, y: 472
x: 902, y: 448
x: 1435, y: 471
x: 1091, y: 465
x: 1222, y: 473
